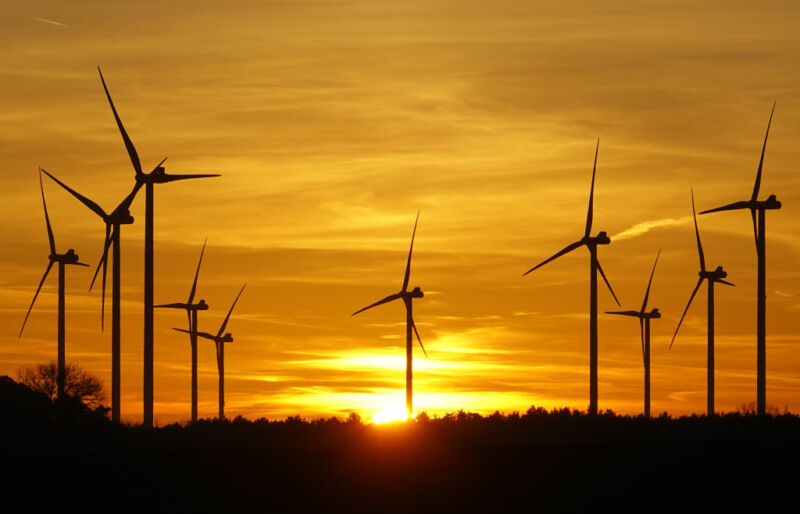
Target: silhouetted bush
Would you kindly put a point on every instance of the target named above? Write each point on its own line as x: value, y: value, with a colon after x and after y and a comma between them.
x: 78, y: 383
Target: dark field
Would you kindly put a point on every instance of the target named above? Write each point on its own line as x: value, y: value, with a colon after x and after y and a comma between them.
x: 538, y: 461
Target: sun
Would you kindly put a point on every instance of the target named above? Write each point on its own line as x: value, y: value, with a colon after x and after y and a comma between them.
x: 390, y: 414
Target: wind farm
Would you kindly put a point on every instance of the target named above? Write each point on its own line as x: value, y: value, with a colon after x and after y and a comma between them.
x: 157, y: 176
x: 326, y: 127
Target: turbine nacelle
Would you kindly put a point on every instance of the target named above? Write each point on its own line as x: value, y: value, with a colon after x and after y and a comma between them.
x: 717, y: 274
x: 65, y: 258
x: 414, y: 293
x: 653, y: 314
x: 772, y: 203
x: 121, y: 217
x: 600, y: 239
x: 201, y: 306
x: 227, y: 338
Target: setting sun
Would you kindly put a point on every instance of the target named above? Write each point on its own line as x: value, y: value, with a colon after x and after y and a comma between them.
x: 390, y: 414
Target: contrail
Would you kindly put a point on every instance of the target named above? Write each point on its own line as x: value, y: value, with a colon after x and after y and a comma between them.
x: 646, y: 226
x: 45, y: 20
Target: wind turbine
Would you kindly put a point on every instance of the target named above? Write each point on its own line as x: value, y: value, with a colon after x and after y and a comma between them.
x: 712, y: 277
x: 594, y: 266
x: 407, y: 297
x: 758, y: 212
x: 157, y: 176
x: 191, y: 312
x: 63, y: 260
x: 644, y: 329
x: 219, y: 343
x: 113, y: 221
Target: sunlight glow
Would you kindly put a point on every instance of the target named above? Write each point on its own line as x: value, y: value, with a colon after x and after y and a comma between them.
x: 390, y: 414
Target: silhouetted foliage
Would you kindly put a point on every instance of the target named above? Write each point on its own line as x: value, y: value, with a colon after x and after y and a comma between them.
x: 78, y: 383
x: 459, y: 461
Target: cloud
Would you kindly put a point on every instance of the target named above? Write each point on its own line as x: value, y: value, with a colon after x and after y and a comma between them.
x: 645, y: 226
x: 45, y: 20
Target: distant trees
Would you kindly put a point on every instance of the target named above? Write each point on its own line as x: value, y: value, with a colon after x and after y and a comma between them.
x: 79, y: 383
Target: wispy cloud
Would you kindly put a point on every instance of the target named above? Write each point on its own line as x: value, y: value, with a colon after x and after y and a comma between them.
x: 646, y: 226
x: 45, y: 20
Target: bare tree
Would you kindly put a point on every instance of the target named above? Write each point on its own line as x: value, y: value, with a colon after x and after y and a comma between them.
x: 79, y: 383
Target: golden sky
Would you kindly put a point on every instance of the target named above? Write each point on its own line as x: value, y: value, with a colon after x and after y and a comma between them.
x: 333, y: 122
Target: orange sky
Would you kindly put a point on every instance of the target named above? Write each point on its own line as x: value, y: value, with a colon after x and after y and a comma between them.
x: 333, y: 122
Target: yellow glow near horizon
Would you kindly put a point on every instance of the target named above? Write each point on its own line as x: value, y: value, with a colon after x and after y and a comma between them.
x: 391, y: 414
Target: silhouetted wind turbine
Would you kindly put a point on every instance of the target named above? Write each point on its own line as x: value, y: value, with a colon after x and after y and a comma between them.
x: 157, y: 176
x: 219, y: 343
x: 760, y: 208
x: 594, y: 266
x: 119, y: 216
x: 191, y: 312
x: 644, y: 329
x: 63, y: 260
x: 712, y: 277
x: 407, y: 297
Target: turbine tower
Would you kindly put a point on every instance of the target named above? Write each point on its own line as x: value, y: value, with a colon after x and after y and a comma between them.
x: 644, y: 329
x: 591, y: 244
x: 407, y: 297
x: 63, y: 260
x: 219, y: 343
x: 758, y: 212
x: 157, y: 176
x: 191, y: 313
x: 718, y: 275
x: 113, y: 221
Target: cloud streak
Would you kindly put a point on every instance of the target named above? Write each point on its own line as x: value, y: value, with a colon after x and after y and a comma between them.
x: 644, y: 227
x: 45, y: 20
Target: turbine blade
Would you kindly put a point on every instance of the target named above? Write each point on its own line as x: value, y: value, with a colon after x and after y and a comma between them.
x: 650, y: 283
x: 641, y: 334
x: 635, y: 314
x: 204, y: 335
x: 85, y: 201
x: 602, y: 274
x: 197, y: 273
x: 50, y: 237
x: 225, y: 323
x: 566, y: 250
x: 46, y: 271
x: 79, y: 264
x: 389, y: 298
x: 170, y: 306
x: 137, y: 165
x: 730, y: 207
x: 173, y: 178
x: 159, y: 164
x: 414, y: 326
x: 757, y: 185
x: 755, y: 225
x: 408, y: 264
x: 126, y: 203
x: 697, y: 234
x: 105, y: 268
x: 723, y: 282
x: 699, y: 283
x: 104, y: 257
x: 590, y: 212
